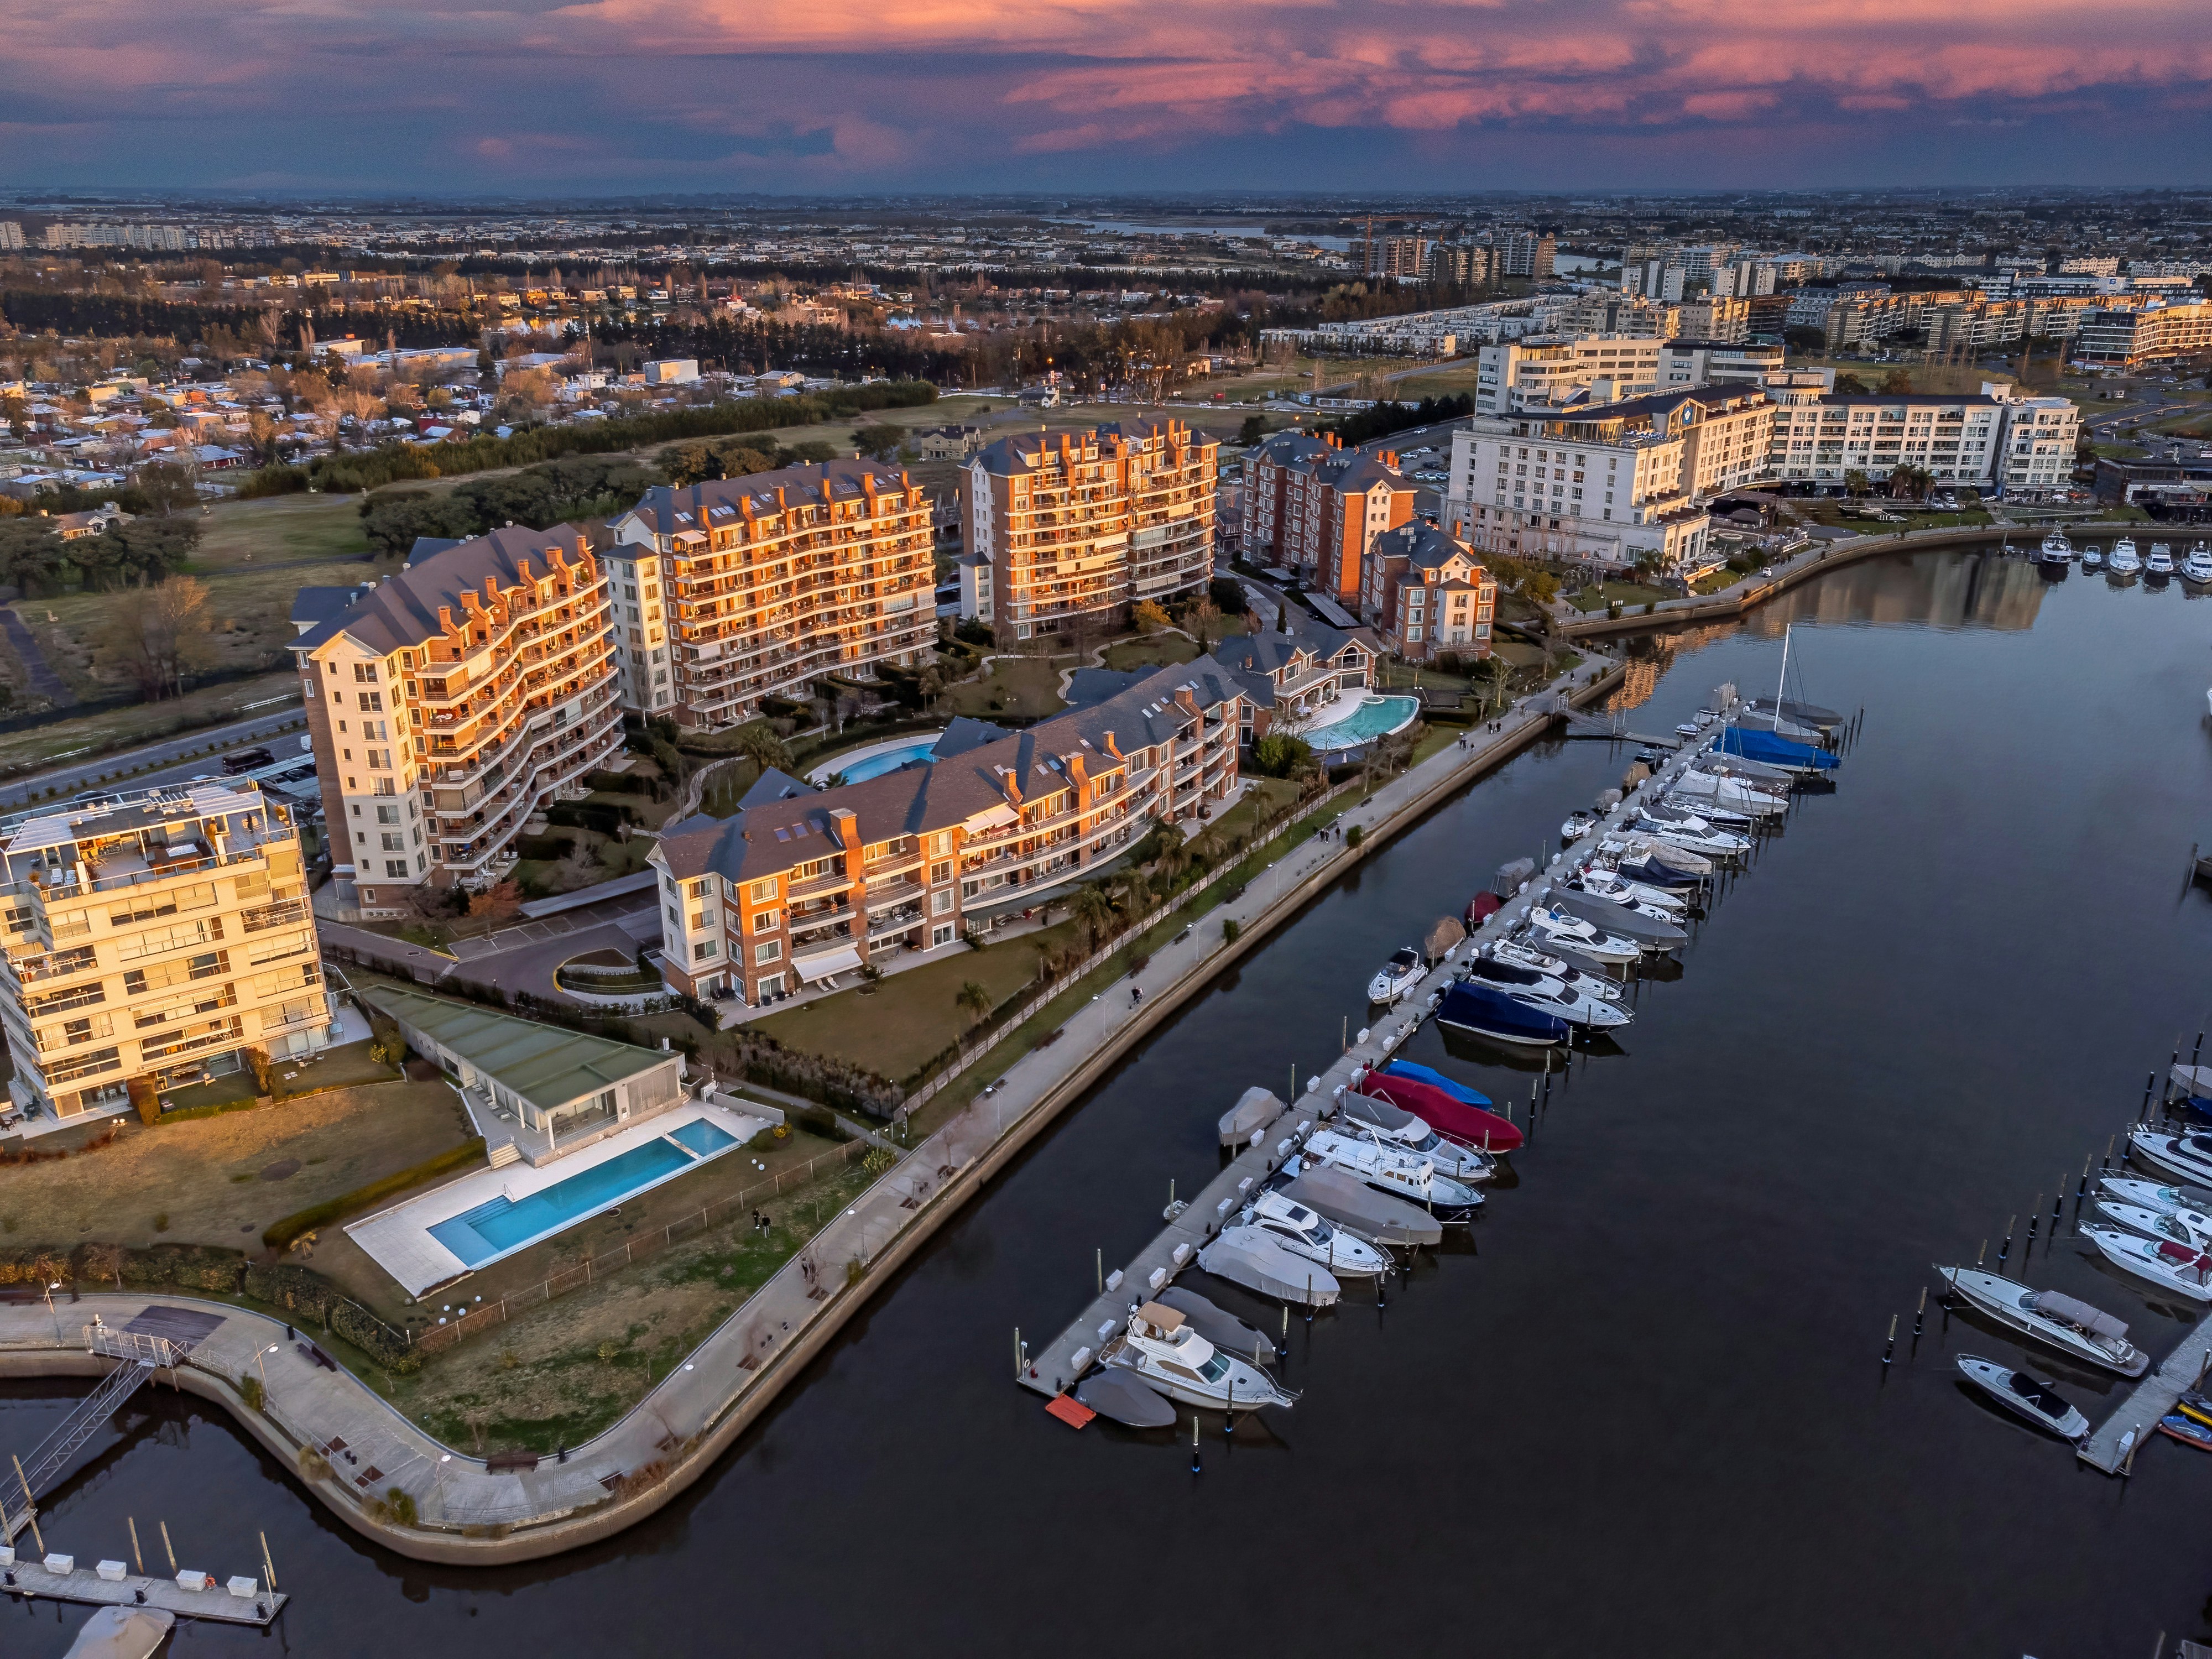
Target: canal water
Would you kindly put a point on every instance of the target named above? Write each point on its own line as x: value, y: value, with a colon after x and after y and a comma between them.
x: 1642, y: 1408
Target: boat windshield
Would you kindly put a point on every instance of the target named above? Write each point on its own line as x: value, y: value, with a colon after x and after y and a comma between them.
x: 2039, y: 1396
x: 1215, y: 1369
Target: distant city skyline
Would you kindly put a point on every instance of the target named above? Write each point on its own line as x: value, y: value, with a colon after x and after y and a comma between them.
x: 1099, y: 95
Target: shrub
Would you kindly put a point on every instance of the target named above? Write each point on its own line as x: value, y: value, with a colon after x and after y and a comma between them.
x: 279, y: 1236
x: 1355, y: 835
x: 251, y: 1391
x: 1230, y: 927
x: 879, y: 1159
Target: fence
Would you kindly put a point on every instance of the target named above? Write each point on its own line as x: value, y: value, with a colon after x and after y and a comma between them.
x: 440, y: 1337
x: 1004, y: 1021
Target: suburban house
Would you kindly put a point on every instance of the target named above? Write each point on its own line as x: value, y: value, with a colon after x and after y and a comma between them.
x: 1428, y: 594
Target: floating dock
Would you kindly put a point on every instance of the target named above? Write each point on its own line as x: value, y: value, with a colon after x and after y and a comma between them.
x: 1062, y: 1362
x: 217, y: 1603
x: 2116, y: 1440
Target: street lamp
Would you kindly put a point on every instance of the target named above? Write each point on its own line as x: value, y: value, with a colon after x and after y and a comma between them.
x: 260, y: 1356
x: 57, y: 1318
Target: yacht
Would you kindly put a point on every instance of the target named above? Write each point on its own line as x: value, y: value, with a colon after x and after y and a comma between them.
x: 2123, y: 560
x: 1603, y: 881
x: 1303, y: 1232
x: 1396, y: 976
x: 1165, y: 1353
x: 2181, y: 1268
x: 1697, y: 836
x: 2175, y: 1229
x: 1558, y: 928
x: 1523, y: 954
x: 1551, y: 995
x: 2160, y: 562
x: 2018, y: 1392
x: 2093, y: 557
x: 2071, y: 1326
x: 2154, y: 1196
x: 2057, y: 549
x: 1398, y: 1174
x: 2197, y: 567
x: 1737, y: 794
x: 2185, y: 1158
x: 1392, y: 1125
x: 1725, y: 817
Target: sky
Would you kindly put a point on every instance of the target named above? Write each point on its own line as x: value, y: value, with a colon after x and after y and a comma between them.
x: 815, y: 96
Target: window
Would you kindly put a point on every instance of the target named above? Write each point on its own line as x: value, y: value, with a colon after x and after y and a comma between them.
x: 704, y: 949
x: 764, y: 890
x: 372, y: 702
x: 396, y: 868
x: 766, y: 922
x: 940, y: 872
x: 941, y: 901
x: 769, y: 949
x: 366, y: 673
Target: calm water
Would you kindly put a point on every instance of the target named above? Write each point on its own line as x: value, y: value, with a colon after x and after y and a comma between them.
x: 1643, y: 1409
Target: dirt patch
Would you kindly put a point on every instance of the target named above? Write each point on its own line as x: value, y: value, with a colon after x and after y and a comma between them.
x: 283, y: 1170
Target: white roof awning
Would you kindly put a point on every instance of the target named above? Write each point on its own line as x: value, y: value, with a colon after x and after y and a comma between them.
x: 826, y: 964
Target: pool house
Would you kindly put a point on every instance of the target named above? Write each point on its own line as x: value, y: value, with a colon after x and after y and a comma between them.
x: 536, y: 1092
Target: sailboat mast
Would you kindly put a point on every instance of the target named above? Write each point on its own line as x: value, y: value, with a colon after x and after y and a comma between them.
x: 1782, y: 680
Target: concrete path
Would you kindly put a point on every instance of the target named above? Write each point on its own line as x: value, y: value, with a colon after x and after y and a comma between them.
x: 44, y: 681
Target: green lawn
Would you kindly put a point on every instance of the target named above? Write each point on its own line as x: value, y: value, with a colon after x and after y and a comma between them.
x: 1627, y: 595
x: 1157, y: 652
x: 1021, y: 686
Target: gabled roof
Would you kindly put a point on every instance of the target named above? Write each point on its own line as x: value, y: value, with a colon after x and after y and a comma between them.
x: 402, y: 609
x: 1423, y: 546
x: 672, y: 509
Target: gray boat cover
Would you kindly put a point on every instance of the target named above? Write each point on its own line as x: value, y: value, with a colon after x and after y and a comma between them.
x: 1368, y: 1109
x: 1782, y: 727
x: 1224, y: 1330
x: 1607, y: 800
x: 1246, y: 1256
x: 1807, y: 714
x: 1352, y: 1204
x: 1742, y: 766
x: 1119, y: 1396
x: 1508, y: 880
x: 1256, y: 1109
x: 2194, y: 1080
x: 1447, y: 933
x: 1610, y: 918
x: 123, y: 1634
x: 2058, y: 1305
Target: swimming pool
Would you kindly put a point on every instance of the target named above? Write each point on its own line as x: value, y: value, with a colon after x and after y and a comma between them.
x: 874, y: 763
x: 1376, y: 717
x: 503, y: 1225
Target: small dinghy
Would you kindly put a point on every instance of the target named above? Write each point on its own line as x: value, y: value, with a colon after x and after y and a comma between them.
x: 1557, y: 925
x: 1354, y: 1205
x: 1396, y: 976
x: 2071, y: 1326
x: 2038, y: 1402
x: 1117, y: 1396
x: 1223, y: 1329
x: 2187, y: 1430
x: 2180, y: 1268
x: 2195, y: 1406
x: 1396, y: 1127
x: 1578, y: 825
x: 2093, y: 557
x: 1258, y: 1261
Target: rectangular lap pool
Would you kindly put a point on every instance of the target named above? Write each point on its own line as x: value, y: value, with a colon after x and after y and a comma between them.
x: 494, y: 1229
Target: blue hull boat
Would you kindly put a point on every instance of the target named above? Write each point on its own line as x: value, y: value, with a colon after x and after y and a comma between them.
x: 1764, y: 746
x: 1472, y: 1006
x: 1436, y: 1079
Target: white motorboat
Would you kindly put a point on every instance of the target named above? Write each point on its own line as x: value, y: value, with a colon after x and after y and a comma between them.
x: 2197, y: 567
x: 1303, y: 1232
x: 1578, y: 883
x: 1394, y: 1127
x: 1523, y: 955
x: 2038, y: 1402
x: 1165, y: 1353
x: 1553, y: 996
x: 1396, y: 976
x: 1638, y: 847
x: 1558, y: 928
x: 2153, y: 1195
x: 1687, y: 729
x: 2125, y: 561
x: 2180, y: 1268
x: 2093, y: 557
x: 1399, y: 1175
x: 1725, y: 817
x: 2057, y: 549
x: 2159, y: 562
x: 2071, y: 1326
x: 2171, y: 1229
x: 1578, y: 825
x: 1708, y: 842
x: 2185, y: 1158
x: 1737, y: 794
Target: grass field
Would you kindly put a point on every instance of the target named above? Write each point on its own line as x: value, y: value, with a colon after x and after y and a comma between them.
x: 1016, y: 685
x: 1625, y: 594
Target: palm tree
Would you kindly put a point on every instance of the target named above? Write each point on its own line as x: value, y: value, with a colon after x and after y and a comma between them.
x: 975, y: 999
x: 759, y: 744
x: 1092, y: 908
x: 1136, y: 893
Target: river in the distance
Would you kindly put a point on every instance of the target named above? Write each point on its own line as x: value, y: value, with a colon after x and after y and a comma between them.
x: 1642, y: 1408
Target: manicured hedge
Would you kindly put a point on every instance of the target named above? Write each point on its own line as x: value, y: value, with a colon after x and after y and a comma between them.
x: 281, y: 1234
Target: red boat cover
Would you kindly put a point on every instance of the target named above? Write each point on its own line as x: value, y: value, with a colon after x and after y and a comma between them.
x: 2180, y: 1254
x: 1444, y: 1114
x: 1481, y: 908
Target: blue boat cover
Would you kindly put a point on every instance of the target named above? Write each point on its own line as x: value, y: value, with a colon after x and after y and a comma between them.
x: 1480, y: 1007
x: 1775, y: 751
x: 1435, y: 1079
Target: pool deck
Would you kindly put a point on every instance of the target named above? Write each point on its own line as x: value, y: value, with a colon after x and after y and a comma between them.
x: 399, y: 1239
x: 845, y: 763
x: 1346, y: 706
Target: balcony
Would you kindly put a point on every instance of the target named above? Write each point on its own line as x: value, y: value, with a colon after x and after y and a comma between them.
x: 836, y: 881
x: 892, y: 889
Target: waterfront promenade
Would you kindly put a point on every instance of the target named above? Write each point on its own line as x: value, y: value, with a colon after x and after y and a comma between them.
x: 467, y: 1512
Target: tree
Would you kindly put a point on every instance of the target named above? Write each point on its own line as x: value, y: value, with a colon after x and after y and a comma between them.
x: 160, y: 633
x: 1280, y: 756
x: 1093, y: 911
x: 1855, y: 482
x: 496, y: 904
x: 1253, y: 429
x: 765, y: 748
x: 1148, y: 617
x: 1897, y: 384
x: 880, y: 440
x: 1202, y: 616
x: 1906, y: 479
x: 1851, y: 383
x: 30, y: 554
x: 975, y: 999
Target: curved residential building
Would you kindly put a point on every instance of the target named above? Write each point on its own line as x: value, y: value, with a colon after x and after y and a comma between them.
x: 449, y: 702
x: 753, y: 588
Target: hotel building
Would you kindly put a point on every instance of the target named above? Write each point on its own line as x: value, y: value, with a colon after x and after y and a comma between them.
x: 1076, y: 524
x: 1995, y: 438
x: 449, y: 702
x: 2121, y: 339
x: 157, y: 936
x: 744, y: 588
x: 803, y: 884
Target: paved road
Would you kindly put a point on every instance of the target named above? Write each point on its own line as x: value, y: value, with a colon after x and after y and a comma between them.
x: 44, y: 681
x: 524, y: 957
x: 80, y: 776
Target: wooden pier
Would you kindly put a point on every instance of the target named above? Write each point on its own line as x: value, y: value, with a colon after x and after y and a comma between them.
x: 2112, y: 1446
x: 217, y: 1603
x: 1062, y: 1362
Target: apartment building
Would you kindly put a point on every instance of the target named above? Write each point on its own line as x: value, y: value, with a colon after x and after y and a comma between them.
x: 801, y: 885
x: 1997, y: 437
x: 1628, y: 316
x: 1527, y: 253
x: 1551, y: 371
x: 1695, y: 362
x: 1716, y: 317
x: 1088, y: 523
x: 1612, y: 486
x: 1467, y: 264
x: 1428, y: 594
x: 1401, y: 256
x: 152, y: 939
x: 449, y: 702
x: 1315, y: 508
x: 2160, y: 332
x: 755, y: 587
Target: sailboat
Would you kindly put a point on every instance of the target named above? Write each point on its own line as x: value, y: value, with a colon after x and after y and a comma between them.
x: 1762, y: 742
